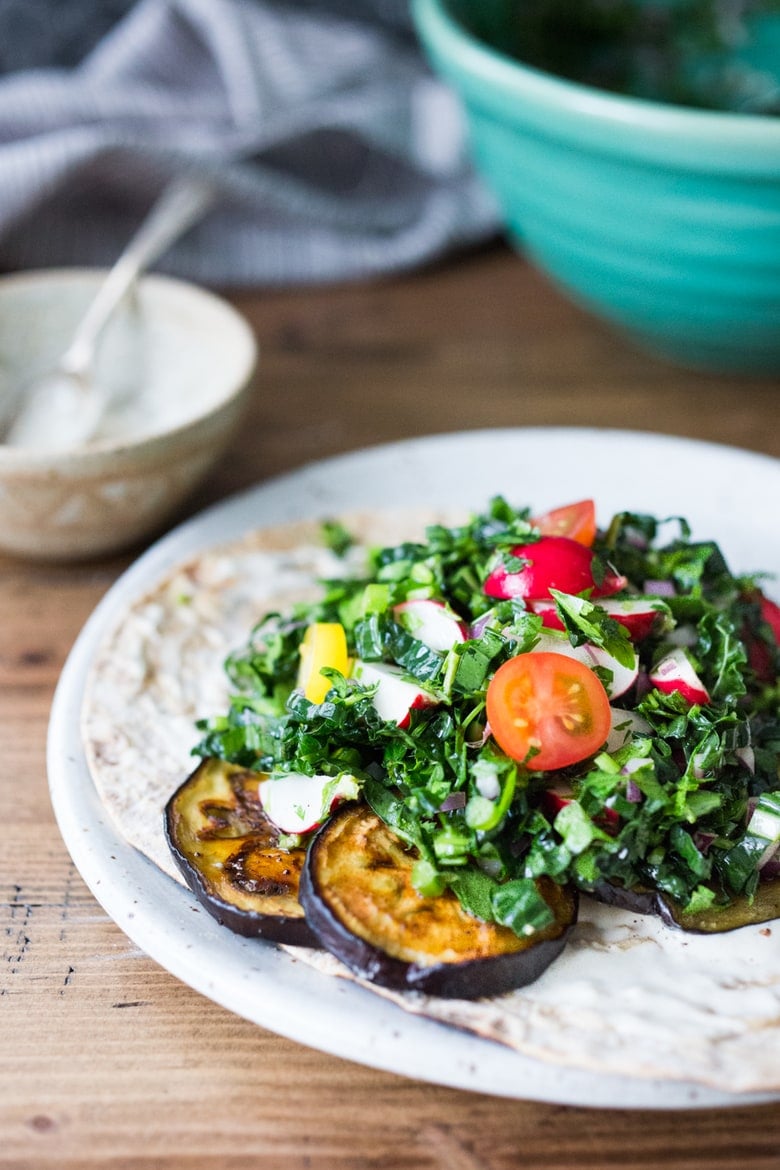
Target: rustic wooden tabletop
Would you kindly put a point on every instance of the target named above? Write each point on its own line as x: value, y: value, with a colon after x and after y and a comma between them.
x: 105, y: 1059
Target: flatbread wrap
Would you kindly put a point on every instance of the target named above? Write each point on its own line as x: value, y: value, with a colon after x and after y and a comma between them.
x: 629, y: 995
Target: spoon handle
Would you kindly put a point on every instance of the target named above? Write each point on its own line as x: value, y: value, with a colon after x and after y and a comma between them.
x: 181, y: 204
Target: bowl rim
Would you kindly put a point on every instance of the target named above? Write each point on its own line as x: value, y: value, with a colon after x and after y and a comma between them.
x: 21, y: 459
x: 448, y: 39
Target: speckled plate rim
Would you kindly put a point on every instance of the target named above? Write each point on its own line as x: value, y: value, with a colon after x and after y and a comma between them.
x: 256, y: 980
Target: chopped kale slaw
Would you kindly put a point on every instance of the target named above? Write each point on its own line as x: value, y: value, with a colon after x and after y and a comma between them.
x: 681, y: 797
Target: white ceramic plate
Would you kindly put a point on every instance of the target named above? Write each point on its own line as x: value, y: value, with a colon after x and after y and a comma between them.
x: 724, y: 492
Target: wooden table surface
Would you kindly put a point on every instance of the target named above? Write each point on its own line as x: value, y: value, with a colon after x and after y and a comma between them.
x: 107, y: 1060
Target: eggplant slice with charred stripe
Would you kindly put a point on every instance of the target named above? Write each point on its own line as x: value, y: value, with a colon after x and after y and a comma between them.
x: 229, y: 854
x: 357, y: 892
x: 763, y: 907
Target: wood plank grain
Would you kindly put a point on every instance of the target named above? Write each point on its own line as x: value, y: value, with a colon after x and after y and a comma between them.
x: 105, y: 1056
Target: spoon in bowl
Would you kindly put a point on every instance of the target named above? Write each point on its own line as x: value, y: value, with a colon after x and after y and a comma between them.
x: 64, y: 407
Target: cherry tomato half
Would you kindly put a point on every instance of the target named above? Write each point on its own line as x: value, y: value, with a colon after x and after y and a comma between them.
x: 550, y: 702
x: 577, y: 521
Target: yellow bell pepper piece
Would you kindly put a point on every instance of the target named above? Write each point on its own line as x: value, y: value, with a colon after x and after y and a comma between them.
x: 324, y: 645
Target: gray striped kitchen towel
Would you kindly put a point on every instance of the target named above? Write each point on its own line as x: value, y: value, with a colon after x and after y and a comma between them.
x: 336, y: 154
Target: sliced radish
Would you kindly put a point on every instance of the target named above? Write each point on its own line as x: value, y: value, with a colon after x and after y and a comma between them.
x: 675, y: 673
x: 395, y: 696
x: 431, y: 622
x: 636, y: 614
x: 553, y: 562
x: 547, y: 610
x: 298, y: 804
x: 623, y: 677
x: 625, y: 725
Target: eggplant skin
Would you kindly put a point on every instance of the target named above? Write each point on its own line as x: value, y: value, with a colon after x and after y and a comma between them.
x: 764, y: 907
x: 229, y: 855
x: 358, y: 897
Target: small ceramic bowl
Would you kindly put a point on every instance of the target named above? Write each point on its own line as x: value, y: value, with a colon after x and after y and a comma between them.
x: 177, y: 363
x: 664, y: 220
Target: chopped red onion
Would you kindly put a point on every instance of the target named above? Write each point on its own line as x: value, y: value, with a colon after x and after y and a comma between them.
x: 633, y: 793
x: 702, y: 840
x: 454, y: 801
x: 484, y: 737
x: 479, y: 625
x: 771, y: 868
x: 632, y: 765
x: 659, y: 588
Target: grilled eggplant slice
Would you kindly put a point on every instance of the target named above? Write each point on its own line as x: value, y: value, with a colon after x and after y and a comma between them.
x: 741, y: 912
x: 228, y: 853
x: 359, y: 899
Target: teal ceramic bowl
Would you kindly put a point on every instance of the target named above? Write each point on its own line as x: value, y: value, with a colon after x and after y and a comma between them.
x: 661, y: 219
